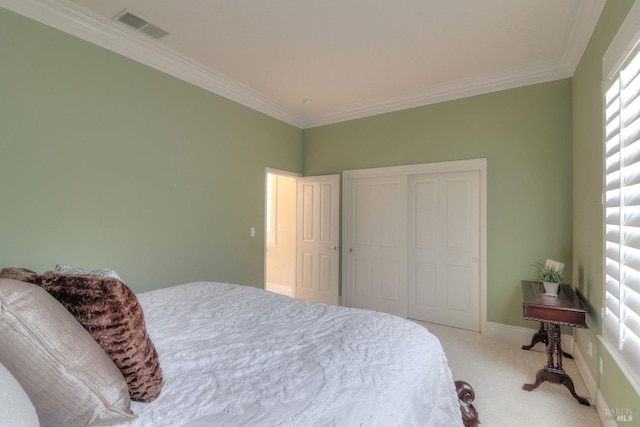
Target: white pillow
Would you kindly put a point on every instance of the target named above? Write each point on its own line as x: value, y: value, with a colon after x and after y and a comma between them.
x: 15, y: 407
x: 64, y: 371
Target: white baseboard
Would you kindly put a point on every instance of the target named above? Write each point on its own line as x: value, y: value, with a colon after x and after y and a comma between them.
x: 601, y: 408
x: 592, y: 387
x: 518, y: 334
x: 523, y: 336
x: 588, y: 379
x: 280, y: 289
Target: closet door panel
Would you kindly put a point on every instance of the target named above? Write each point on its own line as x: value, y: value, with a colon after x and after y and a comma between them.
x: 444, y: 223
x: 376, y: 244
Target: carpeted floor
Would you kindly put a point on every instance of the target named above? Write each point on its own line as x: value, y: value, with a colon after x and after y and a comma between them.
x: 497, y: 369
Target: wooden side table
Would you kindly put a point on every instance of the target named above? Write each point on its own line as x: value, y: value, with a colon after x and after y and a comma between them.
x: 565, y: 309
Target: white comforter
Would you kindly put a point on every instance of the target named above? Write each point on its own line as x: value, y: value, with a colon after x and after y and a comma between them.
x: 238, y: 356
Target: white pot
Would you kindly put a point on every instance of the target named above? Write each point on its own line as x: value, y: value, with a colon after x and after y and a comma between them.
x: 551, y: 288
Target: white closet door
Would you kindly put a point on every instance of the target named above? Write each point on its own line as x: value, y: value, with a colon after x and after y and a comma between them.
x: 444, y: 248
x: 376, y: 244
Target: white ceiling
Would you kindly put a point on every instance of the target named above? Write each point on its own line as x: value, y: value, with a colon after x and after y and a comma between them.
x: 351, y: 58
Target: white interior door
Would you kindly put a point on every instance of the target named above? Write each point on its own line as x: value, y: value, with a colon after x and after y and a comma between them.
x: 444, y: 252
x: 376, y: 218
x: 318, y: 234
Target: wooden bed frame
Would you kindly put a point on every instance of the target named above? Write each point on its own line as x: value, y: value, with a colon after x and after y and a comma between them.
x: 466, y: 395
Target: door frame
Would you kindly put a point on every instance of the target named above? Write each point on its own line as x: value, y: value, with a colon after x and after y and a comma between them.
x: 268, y: 170
x: 479, y: 165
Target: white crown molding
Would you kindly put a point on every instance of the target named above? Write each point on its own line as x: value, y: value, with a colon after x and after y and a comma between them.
x: 582, y: 20
x: 623, y: 43
x: 432, y: 95
x: 70, y: 18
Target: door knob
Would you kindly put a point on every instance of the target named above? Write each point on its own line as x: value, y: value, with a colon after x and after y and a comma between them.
x: 475, y: 259
x: 333, y: 248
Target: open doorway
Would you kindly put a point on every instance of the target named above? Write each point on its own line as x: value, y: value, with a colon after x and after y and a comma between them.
x: 302, y: 236
x: 280, y: 232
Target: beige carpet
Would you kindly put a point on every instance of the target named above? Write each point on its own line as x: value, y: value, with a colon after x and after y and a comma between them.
x: 497, y: 369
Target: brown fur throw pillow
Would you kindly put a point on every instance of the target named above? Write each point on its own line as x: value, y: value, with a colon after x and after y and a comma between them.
x: 110, y: 311
x: 21, y: 274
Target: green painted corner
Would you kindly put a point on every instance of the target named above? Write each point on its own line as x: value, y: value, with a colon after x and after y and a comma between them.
x: 525, y: 135
x: 588, y: 273
x: 109, y: 163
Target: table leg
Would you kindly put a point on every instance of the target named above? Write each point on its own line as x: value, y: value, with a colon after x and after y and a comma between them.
x: 553, y: 347
x: 557, y: 378
x: 554, y: 372
x: 541, y: 336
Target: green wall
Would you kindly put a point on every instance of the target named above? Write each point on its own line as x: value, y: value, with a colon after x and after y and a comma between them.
x: 587, y: 204
x: 105, y: 162
x: 524, y: 133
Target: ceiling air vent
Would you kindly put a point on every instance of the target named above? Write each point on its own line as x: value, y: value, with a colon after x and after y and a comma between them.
x: 140, y: 24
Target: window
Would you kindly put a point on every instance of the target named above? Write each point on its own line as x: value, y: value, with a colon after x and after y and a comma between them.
x: 621, y: 327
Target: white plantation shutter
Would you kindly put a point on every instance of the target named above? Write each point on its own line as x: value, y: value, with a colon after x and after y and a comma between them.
x: 621, y: 329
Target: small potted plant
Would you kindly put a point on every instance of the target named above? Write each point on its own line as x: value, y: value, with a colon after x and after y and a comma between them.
x: 550, y: 274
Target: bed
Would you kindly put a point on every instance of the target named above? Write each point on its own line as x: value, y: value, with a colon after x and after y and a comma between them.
x: 234, y: 355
